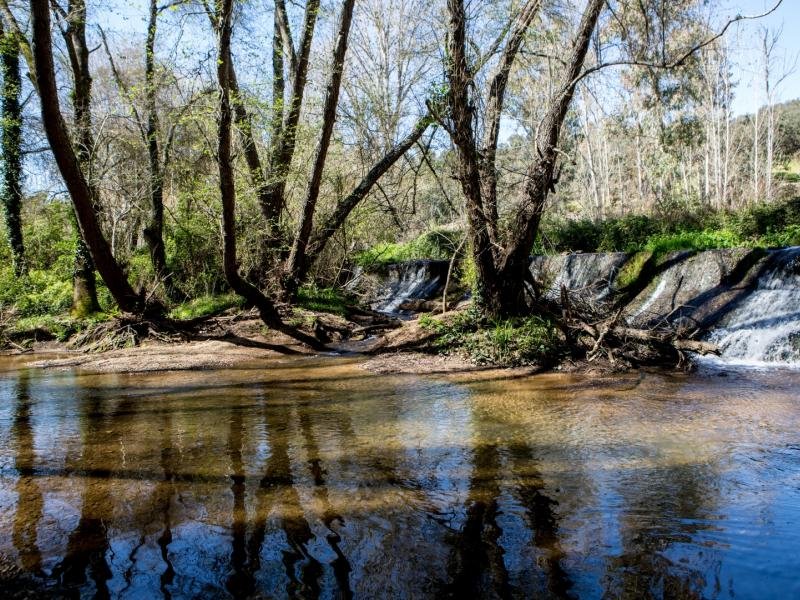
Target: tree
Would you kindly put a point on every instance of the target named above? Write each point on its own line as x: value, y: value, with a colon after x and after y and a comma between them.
x: 72, y: 160
x: 270, y: 181
x: 158, y: 157
x: 501, y: 255
x: 252, y: 294
x: 11, y: 118
x: 502, y: 265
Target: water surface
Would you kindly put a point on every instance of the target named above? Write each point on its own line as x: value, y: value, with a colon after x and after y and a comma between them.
x: 314, y: 478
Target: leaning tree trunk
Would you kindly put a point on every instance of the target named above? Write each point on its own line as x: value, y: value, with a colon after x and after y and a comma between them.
x: 238, y: 284
x: 84, y: 283
x: 11, y: 147
x: 82, y: 194
x: 296, y: 264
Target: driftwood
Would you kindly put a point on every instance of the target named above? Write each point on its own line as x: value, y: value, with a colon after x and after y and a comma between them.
x: 615, y: 340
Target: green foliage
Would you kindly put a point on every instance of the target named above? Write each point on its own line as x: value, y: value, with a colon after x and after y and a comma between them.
x: 193, y: 244
x: 437, y: 244
x: 762, y: 225
x: 328, y: 300
x: 205, y: 306
x: 693, y: 240
x: 508, y: 343
x: 37, y: 293
x: 468, y: 273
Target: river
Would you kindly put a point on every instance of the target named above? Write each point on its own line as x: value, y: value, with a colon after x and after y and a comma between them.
x: 311, y: 477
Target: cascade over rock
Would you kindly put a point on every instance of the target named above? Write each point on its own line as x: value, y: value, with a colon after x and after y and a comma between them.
x: 746, y: 301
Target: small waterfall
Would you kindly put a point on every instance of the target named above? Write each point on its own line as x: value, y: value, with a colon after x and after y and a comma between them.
x: 413, y: 280
x: 764, y: 328
x: 587, y: 276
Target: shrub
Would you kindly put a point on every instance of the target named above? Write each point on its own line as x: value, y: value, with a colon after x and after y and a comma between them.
x: 39, y: 292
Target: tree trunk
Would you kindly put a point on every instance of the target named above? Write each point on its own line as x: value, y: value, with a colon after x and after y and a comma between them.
x: 296, y: 264
x: 154, y: 231
x: 11, y: 119
x: 238, y: 284
x: 82, y: 194
x: 84, y: 283
x: 503, y: 272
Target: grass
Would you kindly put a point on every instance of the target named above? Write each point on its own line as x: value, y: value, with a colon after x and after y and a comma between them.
x: 506, y: 343
x: 327, y: 300
x: 205, y: 306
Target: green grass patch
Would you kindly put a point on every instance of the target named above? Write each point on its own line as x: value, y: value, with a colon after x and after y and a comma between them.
x: 329, y: 300
x: 437, y: 244
x: 205, y: 306
x: 508, y: 342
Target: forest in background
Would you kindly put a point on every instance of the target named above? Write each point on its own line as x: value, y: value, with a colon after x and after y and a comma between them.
x: 344, y: 146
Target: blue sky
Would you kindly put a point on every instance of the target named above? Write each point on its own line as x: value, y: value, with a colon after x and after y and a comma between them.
x: 786, y: 16
x: 129, y: 15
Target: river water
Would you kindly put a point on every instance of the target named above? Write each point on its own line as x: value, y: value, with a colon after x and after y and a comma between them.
x: 315, y: 478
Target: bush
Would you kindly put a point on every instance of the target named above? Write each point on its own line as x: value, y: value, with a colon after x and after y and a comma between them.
x: 38, y: 293
x: 437, y: 244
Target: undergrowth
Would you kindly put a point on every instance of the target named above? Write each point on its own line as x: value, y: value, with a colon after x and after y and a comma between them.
x: 329, y: 300
x: 760, y: 226
x: 515, y: 342
x: 437, y: 244
x: 205, y: 306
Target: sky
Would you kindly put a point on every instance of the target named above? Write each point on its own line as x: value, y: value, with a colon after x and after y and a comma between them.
x: 787, y: 16
x: 743, y: 36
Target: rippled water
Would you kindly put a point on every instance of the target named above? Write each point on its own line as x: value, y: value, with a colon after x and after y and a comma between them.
x: 314, y: 478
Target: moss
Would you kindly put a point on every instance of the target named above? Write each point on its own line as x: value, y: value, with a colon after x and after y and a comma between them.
x: 632, y: 269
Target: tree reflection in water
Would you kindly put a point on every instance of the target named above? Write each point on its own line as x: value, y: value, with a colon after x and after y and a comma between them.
x: 30, y: 503
x: 303, y: 488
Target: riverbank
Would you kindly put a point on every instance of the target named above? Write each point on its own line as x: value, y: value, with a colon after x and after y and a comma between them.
x: 241, y: 341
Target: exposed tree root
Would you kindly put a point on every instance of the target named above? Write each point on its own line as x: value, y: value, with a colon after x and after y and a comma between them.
x: 128, y: 331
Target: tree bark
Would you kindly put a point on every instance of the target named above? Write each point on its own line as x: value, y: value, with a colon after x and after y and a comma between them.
x: 82, y: 194
x: 12, y: 148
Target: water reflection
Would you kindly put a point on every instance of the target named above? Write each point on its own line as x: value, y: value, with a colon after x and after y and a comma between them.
x: 316, y: 479
x: 30, y: 502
